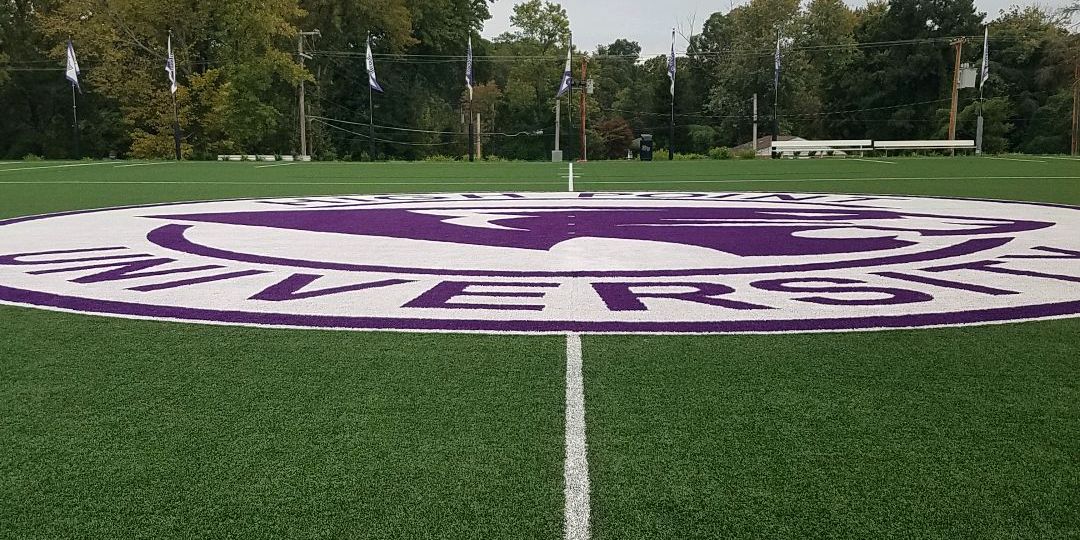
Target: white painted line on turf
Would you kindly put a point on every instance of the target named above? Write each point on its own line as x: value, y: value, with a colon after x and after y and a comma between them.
x: 537, y: 182
x: 1061, y: 158
x: 277, y: 165
x: 571, y: 177
x: 145, y: 164
x: 1017, y: 159
x: 873, y: 160
x: 55, y: 166
x: 576, y: 467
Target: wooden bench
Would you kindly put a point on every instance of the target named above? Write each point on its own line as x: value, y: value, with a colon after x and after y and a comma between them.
x: 820, y: 148
x: 963, y: 144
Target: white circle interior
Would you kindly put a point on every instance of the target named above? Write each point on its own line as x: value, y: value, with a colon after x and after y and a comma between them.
x: 1034, y: 266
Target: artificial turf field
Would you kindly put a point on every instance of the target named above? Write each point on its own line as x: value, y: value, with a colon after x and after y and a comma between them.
x: 119, y: 428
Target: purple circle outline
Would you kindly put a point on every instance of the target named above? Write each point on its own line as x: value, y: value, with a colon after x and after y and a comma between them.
x: 147, y: 311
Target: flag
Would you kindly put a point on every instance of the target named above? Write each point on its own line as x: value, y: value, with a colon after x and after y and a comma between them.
x: 671, y: 63
x: 72, y: 71
x: 469, y: 81
x: 170, y: 67
x: 373, y: 83
x: 776, y: 71
x: 567, y: 78
x: 986, y: 58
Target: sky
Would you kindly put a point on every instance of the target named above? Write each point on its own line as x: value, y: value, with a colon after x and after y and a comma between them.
x: 596, y: 22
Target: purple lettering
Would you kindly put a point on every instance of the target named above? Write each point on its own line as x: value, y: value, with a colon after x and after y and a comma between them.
x: 946, y: 283
x: 1061, y: 254
x: 625, y: 297
x: 892, y: 296
x: 126, y: 270
x: 196, y: 281
x: 14, y: 259
x: 289, y: 288
x: 992, y: 266
x: 440, y: 296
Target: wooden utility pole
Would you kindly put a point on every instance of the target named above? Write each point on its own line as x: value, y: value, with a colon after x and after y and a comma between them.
x: 959, y: 45
x: 301, y: 55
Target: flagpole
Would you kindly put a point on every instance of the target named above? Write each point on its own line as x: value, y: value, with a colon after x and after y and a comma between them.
x: 176, y: 109
x: 371, y: 111
x: 75, y: 118
x: 671, y: 122
x: 776, y: 93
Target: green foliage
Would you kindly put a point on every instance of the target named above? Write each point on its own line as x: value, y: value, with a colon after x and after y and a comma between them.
x: 746, y: 154
x: 239, y: 74
x: 722, y: 152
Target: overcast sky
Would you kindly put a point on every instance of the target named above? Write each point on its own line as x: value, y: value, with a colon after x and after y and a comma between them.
x: 596, y: 22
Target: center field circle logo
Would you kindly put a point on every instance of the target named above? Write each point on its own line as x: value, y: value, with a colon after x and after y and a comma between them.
x: 555, y: 262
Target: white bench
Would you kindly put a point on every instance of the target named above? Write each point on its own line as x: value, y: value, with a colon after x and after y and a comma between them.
x: 811, y: 148
x: 963, y: 144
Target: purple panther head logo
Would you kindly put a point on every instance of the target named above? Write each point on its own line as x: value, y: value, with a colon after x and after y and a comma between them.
x: 738, y: 231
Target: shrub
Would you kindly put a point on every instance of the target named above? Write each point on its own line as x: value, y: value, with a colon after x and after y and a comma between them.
x: 721, y: 153
x: 661, y: 156
x: 439, y: 158
x: 746, y: 154
x: 31, y: 157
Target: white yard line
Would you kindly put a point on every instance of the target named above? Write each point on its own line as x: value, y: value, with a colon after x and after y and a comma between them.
x: 1061, y: 158
x: 873, y: 160
x: 56, y: 166
x: 435, y: 182
x: 1016, y: 159
x: 277, y: 165
x: 146, y: 164
x: 576, y: 467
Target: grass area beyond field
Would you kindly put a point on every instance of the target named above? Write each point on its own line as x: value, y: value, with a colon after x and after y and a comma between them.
x: 118, y: 428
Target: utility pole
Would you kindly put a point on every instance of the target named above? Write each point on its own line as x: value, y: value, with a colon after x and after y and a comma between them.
x: 303, y: 108
x: 959, y: 45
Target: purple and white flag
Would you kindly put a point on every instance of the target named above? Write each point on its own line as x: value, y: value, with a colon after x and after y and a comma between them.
x: 671, y: 63
x: 170, y: 67
x: 469, y: 81
x: 373, y: 83
x: 776, y: 71
x: 72, y: 71
x: 985, y: 74
x: 567, y: 78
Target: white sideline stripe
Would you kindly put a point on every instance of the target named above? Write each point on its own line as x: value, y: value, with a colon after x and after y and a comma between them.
x: 146, y: 164
x: 536, y: 182
x: 277, y: 164
x: 1016, y: 159
x: 1061, y: 157
x: 576, y: 467
x: 56, y: 166
x: 873, y: 160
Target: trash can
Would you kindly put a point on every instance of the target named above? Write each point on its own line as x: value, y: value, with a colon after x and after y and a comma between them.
x: 646, y: 148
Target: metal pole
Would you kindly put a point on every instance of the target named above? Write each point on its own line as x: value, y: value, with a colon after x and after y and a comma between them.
x: 75, y: 117
x: 558, y: 121
x: 176, y: 127
x: 479, y: 149
x: 671, y: 131
x: 472, y: 132
x: 303, y: 108
x: 755, y: 125
x: 584, y: 148
x: 776, y: 95
x: 371, y: 125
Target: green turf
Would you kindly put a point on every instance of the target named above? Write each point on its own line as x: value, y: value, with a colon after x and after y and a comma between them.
x: 122, y: 429
x: 958, y: 433
x: 114, y: 428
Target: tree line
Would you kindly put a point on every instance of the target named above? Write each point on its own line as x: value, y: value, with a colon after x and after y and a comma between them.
x: 883, y: 71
